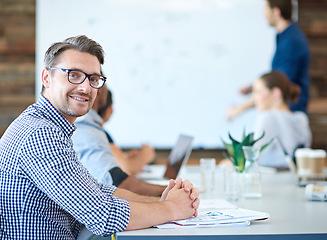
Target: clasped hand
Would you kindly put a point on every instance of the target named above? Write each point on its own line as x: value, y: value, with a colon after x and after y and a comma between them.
x: 182, y: 193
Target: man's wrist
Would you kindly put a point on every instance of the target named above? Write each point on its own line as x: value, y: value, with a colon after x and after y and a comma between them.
x: 169, y: 209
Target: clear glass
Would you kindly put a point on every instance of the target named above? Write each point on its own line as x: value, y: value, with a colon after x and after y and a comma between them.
x: 251, y: 174
x: 208, y: 168
x: 232, y: 183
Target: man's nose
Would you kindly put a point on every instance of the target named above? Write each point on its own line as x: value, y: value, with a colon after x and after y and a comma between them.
x: 85, y: 85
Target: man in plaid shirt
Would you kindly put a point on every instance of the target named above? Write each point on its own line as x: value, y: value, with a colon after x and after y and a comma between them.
x: 45, y: 192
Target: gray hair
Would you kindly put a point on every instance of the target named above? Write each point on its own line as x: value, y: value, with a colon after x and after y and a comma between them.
x: 80, y: 43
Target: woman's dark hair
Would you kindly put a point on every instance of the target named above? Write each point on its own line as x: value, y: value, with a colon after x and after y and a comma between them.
x: 290, y: 91
x: 108, y: 103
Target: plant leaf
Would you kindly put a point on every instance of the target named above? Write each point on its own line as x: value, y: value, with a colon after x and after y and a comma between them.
x: 259, y: 138
x: 239, y: 156
x: 231, y: 159
x: 244, y: 135
x: 233, y: 140
x: 266, y: 145
x: 247, y: 140
x: 235, y: 147
x: 251, y: 141
x: 229, y: 148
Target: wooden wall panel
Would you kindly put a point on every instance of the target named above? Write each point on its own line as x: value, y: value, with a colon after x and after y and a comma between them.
x: 313, y: 21
x: 17, y: 58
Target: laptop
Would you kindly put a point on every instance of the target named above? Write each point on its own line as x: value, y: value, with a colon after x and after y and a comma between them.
x: 177, y: 158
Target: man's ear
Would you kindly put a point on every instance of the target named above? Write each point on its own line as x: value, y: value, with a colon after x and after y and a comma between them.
x: 45, y: 78
x: 276, y: 12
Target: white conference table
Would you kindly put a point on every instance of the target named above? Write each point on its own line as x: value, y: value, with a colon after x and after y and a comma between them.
x: 291, y: 215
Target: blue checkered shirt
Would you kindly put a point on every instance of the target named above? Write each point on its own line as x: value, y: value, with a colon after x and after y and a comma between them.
x: 45, y: 192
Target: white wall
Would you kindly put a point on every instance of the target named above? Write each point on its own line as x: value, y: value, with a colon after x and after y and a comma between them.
x: 173, y: 65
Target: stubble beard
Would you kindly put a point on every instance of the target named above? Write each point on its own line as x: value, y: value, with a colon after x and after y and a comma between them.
x: 67, y: 109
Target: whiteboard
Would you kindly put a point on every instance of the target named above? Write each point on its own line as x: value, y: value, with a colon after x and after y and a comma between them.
x: 174, y: 66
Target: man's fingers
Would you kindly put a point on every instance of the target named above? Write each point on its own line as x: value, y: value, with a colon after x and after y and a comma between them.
x: 178, y: 183
x: 196, y: 213
x: 170, y: 185
x: 187, y: 185
x: 194, y: 193
x: 196, y: 203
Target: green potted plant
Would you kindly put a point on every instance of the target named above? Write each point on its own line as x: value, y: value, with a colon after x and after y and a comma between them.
x: 235, y: 151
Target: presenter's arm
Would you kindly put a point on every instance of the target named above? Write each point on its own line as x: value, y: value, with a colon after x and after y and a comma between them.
x: 234, y: 111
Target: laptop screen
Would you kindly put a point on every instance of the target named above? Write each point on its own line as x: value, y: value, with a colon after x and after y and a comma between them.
x: 178, y: 156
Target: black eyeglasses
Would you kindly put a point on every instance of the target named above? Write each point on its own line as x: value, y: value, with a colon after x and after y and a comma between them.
x: 78, y: 77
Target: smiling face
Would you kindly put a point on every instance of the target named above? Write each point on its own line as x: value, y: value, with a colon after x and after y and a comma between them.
x: 71, y: 100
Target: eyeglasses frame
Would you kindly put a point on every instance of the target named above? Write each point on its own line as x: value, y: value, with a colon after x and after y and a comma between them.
x: 86, y: 75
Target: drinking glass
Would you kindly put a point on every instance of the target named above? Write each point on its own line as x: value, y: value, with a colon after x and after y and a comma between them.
x: 208, y: 168
x: 232, y: 183
x: 251, y: 175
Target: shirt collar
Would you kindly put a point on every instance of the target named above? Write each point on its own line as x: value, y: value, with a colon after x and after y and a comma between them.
x: 52, y: 114
x: 285, y: 32
x: 92, y: 117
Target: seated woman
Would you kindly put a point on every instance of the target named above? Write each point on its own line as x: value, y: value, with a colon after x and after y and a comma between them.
x: 271, y: 94
x: 133, y: 161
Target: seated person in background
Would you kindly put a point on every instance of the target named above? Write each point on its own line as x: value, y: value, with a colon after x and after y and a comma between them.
x: 271, y: 95
x: 94, y: 151
x: 291, y: 56
x: 134, y: 161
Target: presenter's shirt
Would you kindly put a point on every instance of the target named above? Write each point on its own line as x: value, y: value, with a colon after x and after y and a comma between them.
x: 46, y: 193
x: 292, y: 57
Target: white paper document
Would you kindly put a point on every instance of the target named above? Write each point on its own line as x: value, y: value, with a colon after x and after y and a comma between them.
x: 171, y: 225
x: 218, y: 213
x: 219, y: 216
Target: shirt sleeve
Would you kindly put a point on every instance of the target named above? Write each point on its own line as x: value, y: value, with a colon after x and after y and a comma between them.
x: 49, y: 160
x: 118, y: 175
x: 94, y: 152
x: 110, y: 140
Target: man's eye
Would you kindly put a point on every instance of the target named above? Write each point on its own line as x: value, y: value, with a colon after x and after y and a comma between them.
x: 94, y: 79
x: 74, y: 75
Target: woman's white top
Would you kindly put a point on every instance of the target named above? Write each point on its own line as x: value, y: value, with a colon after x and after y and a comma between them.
x: 290, y: 128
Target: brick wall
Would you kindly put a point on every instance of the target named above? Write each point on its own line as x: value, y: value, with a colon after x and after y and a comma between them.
x: 17, y: 61
x: 17, y: 58
x: 313, y: 22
